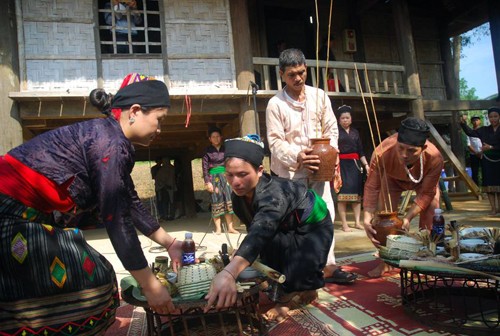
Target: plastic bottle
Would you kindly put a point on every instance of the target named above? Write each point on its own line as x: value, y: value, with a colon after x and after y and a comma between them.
x: 188, y: 250
x: 438, y: 222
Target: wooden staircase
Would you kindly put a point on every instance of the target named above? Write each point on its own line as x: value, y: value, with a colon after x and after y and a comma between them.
x: 451, y: 159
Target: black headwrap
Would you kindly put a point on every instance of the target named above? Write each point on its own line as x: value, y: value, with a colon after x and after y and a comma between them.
x: 413, y: 132
x: 212, y: 129
x: 248, y: 148
x: 474, y: 118
x: 494, y: 109
x: 148, y: 94
x: 344, y: 108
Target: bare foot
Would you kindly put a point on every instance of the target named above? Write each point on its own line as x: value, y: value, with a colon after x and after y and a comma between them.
x: 307, y: 297
x: 328, y: 271
x: 346, y: 229
x: 378, y: 271
x: 217, y: 232
x: 278, y: 313
x: 231, y: 230
x: 359, y: 227
x: 492, y: 213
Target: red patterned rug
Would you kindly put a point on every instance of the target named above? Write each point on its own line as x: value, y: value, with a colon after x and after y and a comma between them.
x: 367, y: 307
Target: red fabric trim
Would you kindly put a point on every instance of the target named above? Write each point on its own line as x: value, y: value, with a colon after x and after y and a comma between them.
x: 117, y: 113
x: 32, y: 188
x: 349, y: 156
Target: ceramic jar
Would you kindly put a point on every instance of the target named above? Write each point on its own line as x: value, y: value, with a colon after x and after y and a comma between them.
x: 327, y: 156
x: 386, y: 223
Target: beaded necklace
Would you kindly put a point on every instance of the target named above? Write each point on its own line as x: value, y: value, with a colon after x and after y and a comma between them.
x: 421, y: 171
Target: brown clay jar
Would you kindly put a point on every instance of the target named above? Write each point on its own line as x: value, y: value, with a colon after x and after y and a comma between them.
x: 327, y: 156
x: 386, y: 223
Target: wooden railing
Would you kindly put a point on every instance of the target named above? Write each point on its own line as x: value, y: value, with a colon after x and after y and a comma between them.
x: 384, y: 79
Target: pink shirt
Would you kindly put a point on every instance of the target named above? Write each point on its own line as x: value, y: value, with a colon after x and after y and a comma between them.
x: 398, y: 179
x: 291, y: 124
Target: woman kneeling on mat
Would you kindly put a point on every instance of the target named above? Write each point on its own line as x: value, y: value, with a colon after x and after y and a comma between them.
x: 288, y: 226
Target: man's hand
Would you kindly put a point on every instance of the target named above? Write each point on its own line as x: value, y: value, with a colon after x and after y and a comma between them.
x: 370, y: 231
x: 222, y: 292
x: 406, y: 224
x: 308, y: 161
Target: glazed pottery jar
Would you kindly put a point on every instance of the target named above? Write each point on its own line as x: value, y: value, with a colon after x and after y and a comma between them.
x: 386, y: 223
x: 327, y: 156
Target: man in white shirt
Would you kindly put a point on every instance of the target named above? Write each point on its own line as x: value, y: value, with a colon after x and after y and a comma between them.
x: 296, y: 114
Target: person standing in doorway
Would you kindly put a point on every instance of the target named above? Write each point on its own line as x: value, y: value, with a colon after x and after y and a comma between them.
x: 215, y: 181
x: 296, y: 114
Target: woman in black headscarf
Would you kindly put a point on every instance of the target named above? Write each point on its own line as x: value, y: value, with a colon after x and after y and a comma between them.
x: 51, y: 280
x: 490, y: 163
x: 352, y: 164
x: 288, y: 226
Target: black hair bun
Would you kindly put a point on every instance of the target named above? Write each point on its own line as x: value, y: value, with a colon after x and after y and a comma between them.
x: 100, y: 99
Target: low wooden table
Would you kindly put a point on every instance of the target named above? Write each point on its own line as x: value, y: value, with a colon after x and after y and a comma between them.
x: 241, y: 319
x: 455, y: 302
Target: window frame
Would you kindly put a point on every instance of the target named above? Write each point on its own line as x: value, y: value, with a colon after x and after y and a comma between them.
x: 103, y: 9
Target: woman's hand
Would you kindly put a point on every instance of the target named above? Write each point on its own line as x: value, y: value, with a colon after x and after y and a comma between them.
x: 463, y: 119
x: 209, y: 187
x: 222, y: 292
x: 175, y: 253
x: 159, y: 300
x: 486, y: 147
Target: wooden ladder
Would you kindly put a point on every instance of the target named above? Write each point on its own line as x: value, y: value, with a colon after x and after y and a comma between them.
x: 453, y: 160
x: 462, y: 175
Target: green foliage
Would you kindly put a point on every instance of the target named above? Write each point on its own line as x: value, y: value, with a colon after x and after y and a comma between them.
x: 467, y: 93
x: 475, y: 35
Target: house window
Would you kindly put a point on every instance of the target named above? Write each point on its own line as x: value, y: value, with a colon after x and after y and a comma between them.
x: 129, y: 26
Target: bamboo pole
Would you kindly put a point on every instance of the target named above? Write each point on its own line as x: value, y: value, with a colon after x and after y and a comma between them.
x: 269, y: 272
x: 425, y: 265
x: 383, y: 176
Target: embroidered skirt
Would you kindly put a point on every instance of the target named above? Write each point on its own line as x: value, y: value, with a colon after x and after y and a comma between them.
x: 490, y: 165
x: 352, y: 181
x: 52, y: 282
x: 221, y: 197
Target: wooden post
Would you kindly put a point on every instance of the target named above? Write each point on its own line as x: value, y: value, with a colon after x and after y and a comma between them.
x: 187, y: 203
x: 243, y: 61
x: 406, y: 45
x: 452, y: 93
x: 12, y: 134
x: 494, y: 15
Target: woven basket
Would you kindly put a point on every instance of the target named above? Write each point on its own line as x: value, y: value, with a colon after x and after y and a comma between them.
x: 403, y: 243
x: 194, y: 280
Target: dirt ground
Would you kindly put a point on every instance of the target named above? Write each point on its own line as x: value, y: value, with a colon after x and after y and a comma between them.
x: 144, y: 184
x: 468, y: 212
